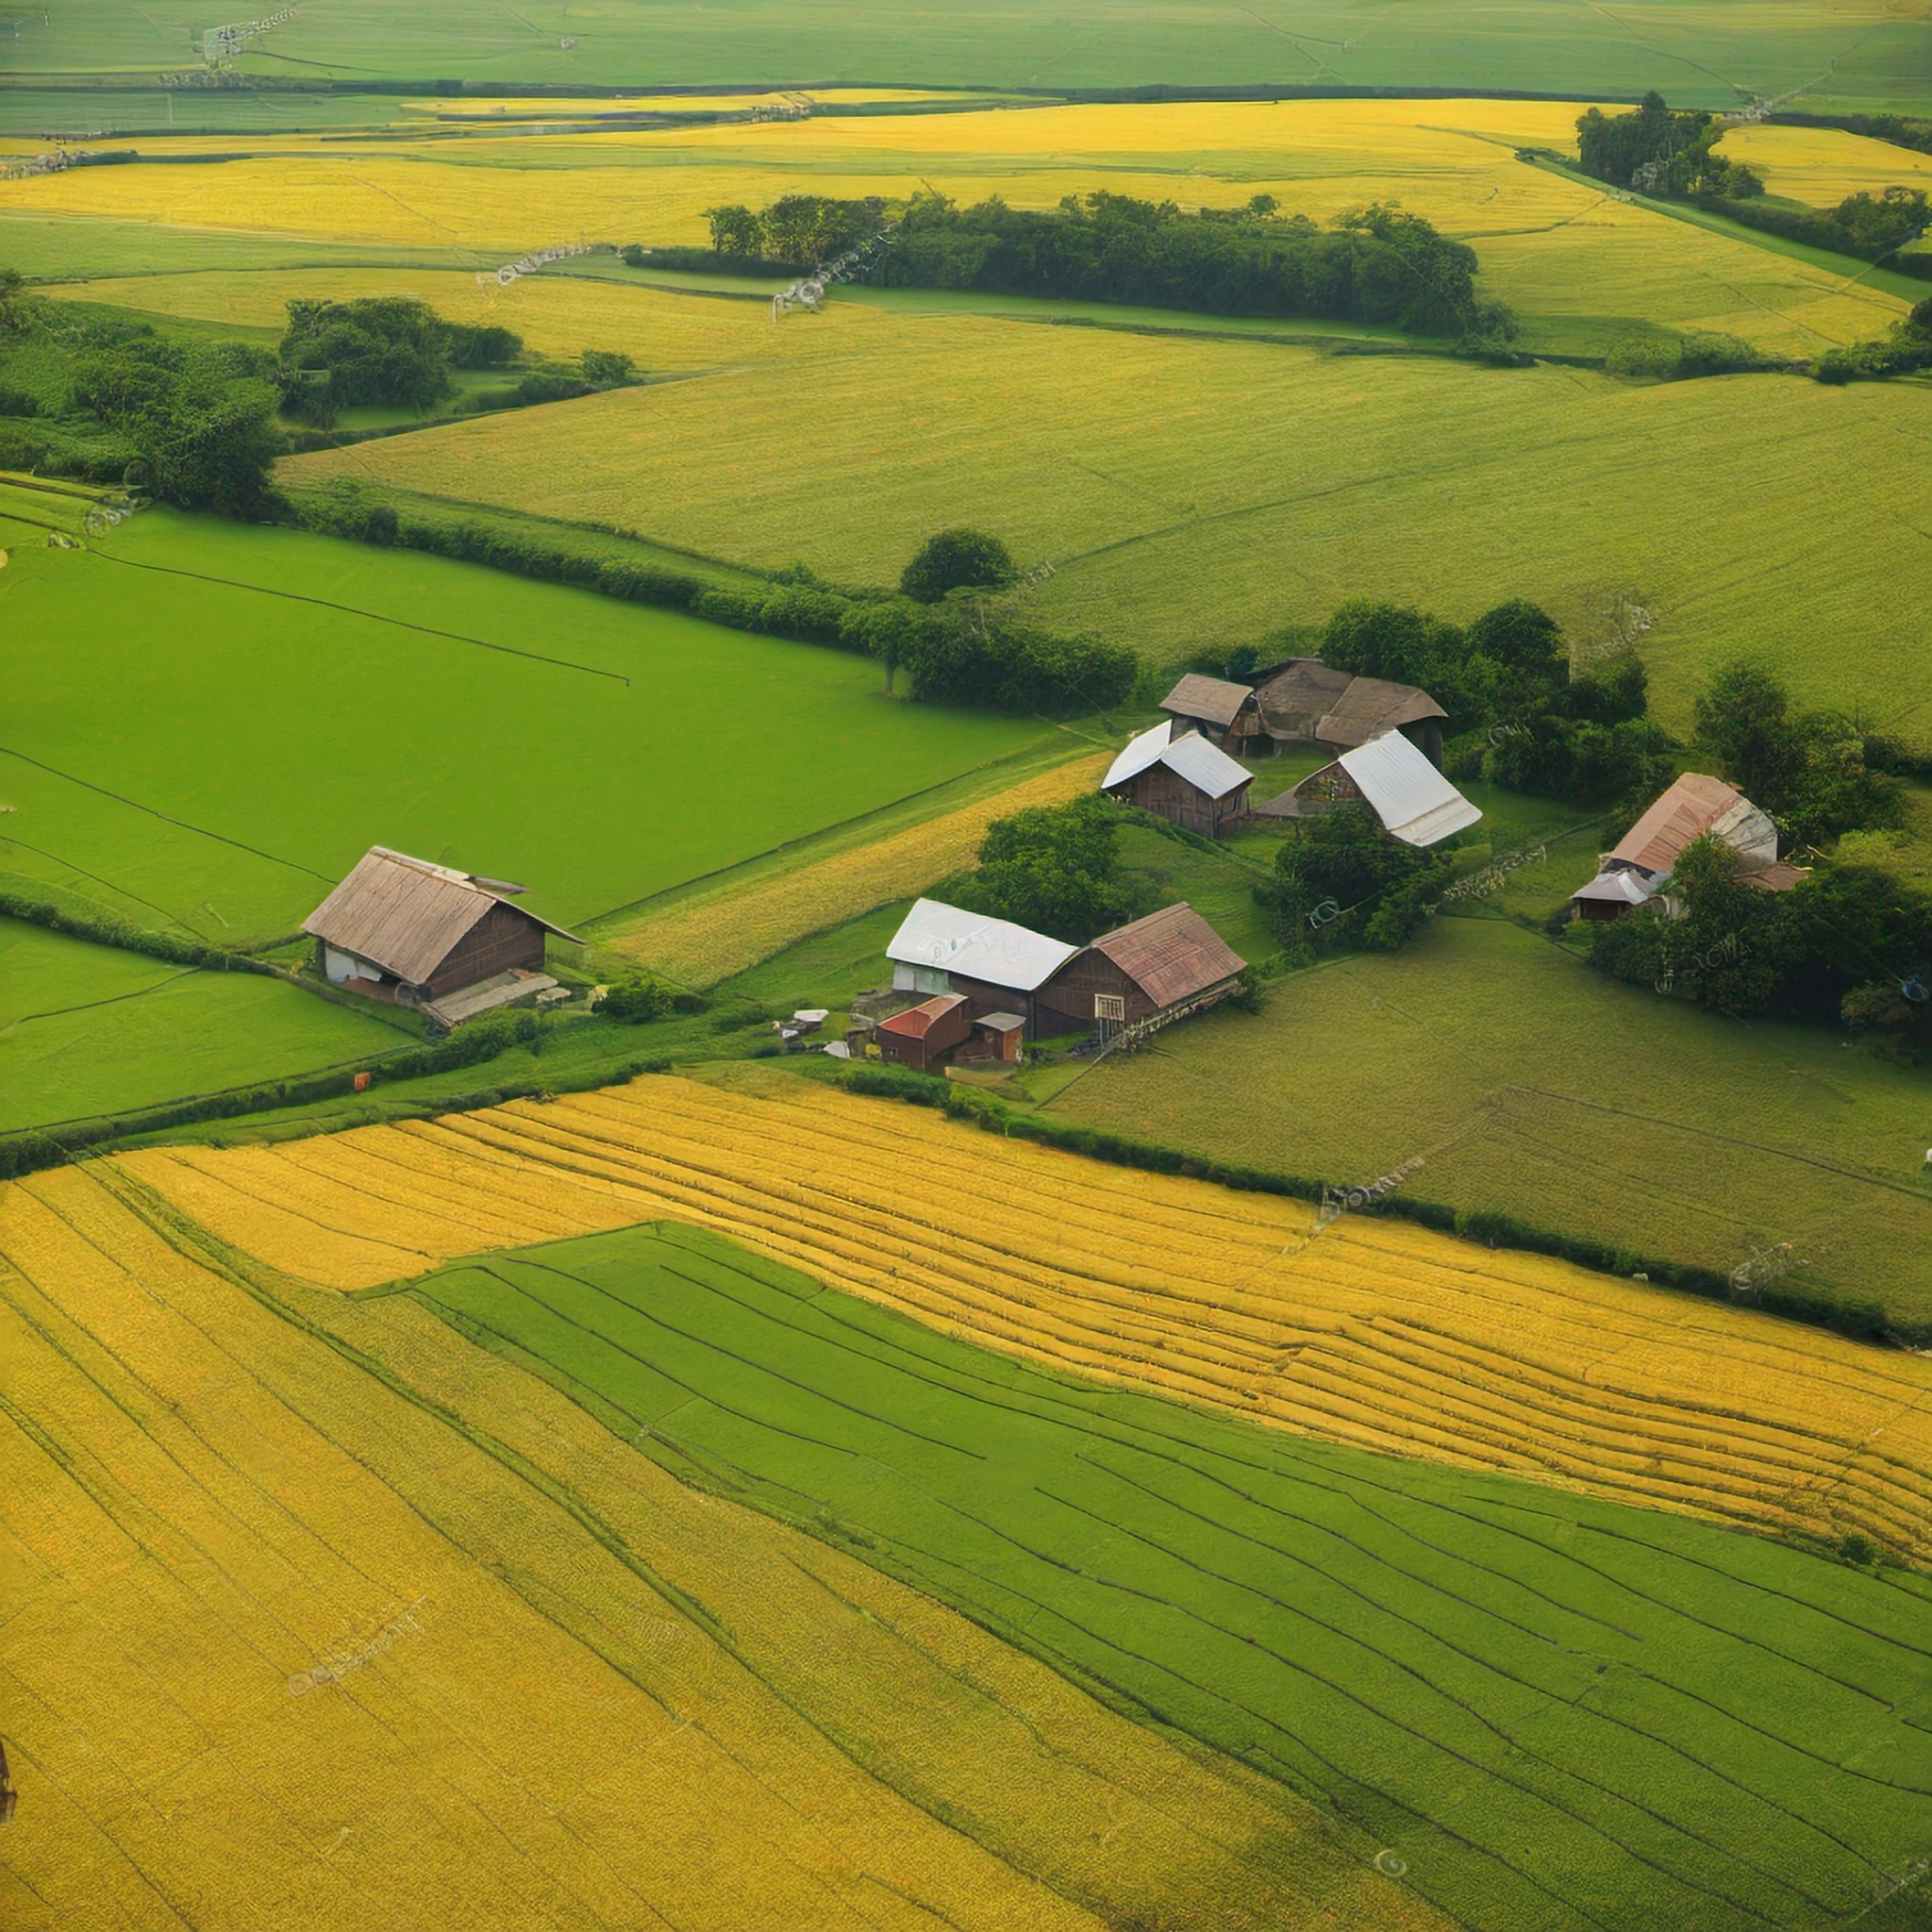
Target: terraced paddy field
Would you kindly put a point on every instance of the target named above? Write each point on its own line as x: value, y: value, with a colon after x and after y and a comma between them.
x: 517, y: 1588
x: 1706, y: 52
x: 1198, y: 494
x: 88, y: 1029
x: 1374, y: 1334
x: 209, y: 723
x: 1528, y: 1083
x: 320, y: 1616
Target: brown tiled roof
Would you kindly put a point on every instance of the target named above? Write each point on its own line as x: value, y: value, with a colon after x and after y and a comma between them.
x: 915, y: 1023
x: 1684, y: 813
x: 1217, y: 700
x: 1171, y: 955
x: 405, y: 914
x: 1370, y: 708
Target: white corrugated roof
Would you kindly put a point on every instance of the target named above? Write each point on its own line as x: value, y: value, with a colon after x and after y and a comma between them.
x: 1625, y: 888
x: 1411, y: 798
x: 1191, y: 754
x: 950, y: 939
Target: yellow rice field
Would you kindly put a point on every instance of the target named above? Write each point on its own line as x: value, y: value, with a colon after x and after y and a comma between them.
x: 704, y: 939
x: 319, y: 1616
x: 1550, y: 247
x: 1373, y: 1333
x: 1823, y: 165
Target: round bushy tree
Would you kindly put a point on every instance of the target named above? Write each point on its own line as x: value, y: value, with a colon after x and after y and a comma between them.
x: 957, y: 560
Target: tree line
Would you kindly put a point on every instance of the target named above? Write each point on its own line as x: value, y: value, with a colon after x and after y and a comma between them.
x: 1376, y: 264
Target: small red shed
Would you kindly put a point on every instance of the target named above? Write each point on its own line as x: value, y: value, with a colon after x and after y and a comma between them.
x: 922, y: 1036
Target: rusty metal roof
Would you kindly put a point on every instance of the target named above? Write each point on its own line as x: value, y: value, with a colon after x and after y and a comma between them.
x: 1684, y: 812
x: 1171, y: 955
x: 1218, y: 700
x: 915, y: 1023
x: 1777, y: 877
x: 406, y: 915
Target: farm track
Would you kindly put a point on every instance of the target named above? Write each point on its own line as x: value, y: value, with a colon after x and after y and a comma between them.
x: 1372, y: 1333
x: 321, y: 1616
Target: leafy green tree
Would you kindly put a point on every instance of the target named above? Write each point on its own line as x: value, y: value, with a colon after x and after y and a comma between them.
x: 606, y: 368
x: 13, y: 309
x: 1054, y: 869
x: 735, y: 230
x: 957, y: 559
x: 635, y: 1001
x: 1341, y: 880
x: 381, y: 349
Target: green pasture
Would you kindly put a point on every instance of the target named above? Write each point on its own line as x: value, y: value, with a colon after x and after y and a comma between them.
x: 84, y: 247
x: 88, y: 1029
x: 207, y: 725
x: 1526, y: 1082
x: 1543, y: 1710
x: 1703, y: 53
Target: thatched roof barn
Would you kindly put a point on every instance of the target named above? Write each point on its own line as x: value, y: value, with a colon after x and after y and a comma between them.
x: 1220, y: 710
x: 1307, y: 702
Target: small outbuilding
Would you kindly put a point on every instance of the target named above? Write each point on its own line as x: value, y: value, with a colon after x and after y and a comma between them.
x: 1224, y: 712
x: 1157, y: 969
x: 997, y: 965
x: 1182, y: 777
x: 1305, y: 701
x: 924, y: 1037
x: 1394, y: 779
x: 422, y: 935
x: 1694, y: 805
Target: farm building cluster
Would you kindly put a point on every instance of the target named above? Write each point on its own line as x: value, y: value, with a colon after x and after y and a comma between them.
x: 988, y: 984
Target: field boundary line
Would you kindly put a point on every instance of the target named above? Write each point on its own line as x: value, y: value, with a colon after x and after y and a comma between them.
x: 167, y: 818
x: 375, y: 616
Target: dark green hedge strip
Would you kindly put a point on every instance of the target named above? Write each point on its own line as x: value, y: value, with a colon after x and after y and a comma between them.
x: 105, y: 929
x: 1861, y: 1319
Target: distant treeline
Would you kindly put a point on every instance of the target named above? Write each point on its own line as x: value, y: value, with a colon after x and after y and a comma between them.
x: 1378, y: 264
x: 1873, y: 228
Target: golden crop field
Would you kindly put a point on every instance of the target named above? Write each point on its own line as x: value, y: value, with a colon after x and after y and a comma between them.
x: 705, y: 939
x: 1372, y: 1333
x: 1823, y: 165
x: 320, y: 1616
x: 1196, y: 494
x: 1556, y: 249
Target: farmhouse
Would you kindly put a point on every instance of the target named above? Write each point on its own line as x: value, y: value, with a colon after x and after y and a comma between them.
x: 1222, y: 711
x: 1640, y: 867
x: 1182, y: 777
x: 1396, y: 780
x: 997, y: 965
x: 402, y: 929
x: 1307, y: 702
x: 1156, y: 969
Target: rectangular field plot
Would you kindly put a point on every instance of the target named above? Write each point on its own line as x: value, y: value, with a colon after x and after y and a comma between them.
x: 88, y: 1029
x: 212, y: 722
x: 1550, y: 1711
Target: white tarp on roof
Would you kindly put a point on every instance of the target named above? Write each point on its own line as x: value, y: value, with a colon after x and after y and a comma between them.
x: 1621, y: 888
x: 944, y: 939
x: 1191, y: 754
x: 1411, y: 798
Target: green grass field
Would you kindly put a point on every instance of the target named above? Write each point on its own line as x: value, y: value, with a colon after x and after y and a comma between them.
x: 204, y: 731
x: 1705, y: 52
x: 1529, y: 1083
x: 88, y: 1029
x: 1200, y: 494
x: 1543, y: 1710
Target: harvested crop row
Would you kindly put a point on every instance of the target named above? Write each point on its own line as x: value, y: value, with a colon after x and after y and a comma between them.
x: 1374, y: 1332
x: 705, y: 939
x: 322, y: 1617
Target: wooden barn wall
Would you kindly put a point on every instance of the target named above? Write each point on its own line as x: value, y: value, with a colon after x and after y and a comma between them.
x: 1072, y: 989
x: 502, y: 938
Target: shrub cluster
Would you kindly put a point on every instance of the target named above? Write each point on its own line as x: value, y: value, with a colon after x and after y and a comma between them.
x: 1658, y: 152
x: 1872, y: 227
x: 1906, y: 348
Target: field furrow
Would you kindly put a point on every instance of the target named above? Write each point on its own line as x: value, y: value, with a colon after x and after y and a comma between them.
x: 1371, y: 1332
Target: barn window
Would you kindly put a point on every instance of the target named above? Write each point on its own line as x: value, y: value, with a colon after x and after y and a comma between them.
x: 1109, y: 1006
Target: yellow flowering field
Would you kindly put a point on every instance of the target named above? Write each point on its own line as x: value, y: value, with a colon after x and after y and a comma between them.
x: 320, y: 1616
x: 1374, y: 1333
x: 1823, y: 165
x: 702, y: 939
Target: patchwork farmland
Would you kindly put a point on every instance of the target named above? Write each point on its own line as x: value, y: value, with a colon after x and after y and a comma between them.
x: 965, y: 967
